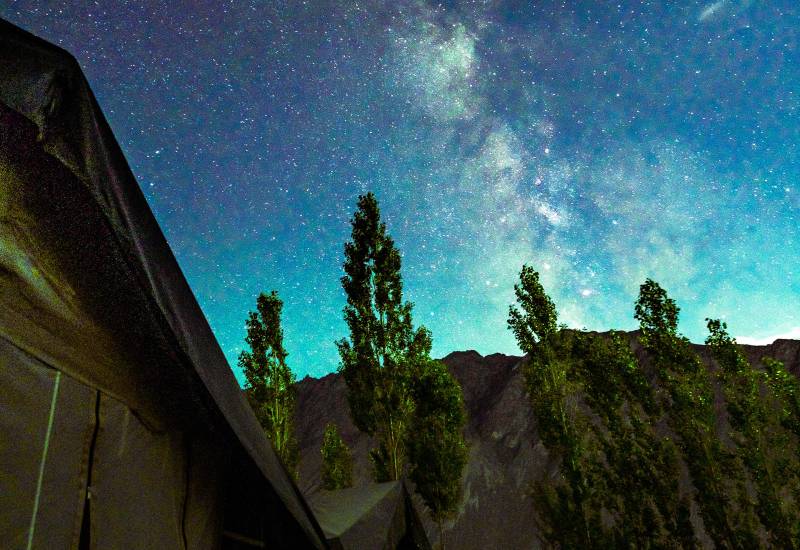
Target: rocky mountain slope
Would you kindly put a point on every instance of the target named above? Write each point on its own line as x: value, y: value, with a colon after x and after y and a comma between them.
x: 505, y: 452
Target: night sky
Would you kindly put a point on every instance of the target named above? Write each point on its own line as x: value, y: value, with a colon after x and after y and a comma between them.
x: 600, y: 142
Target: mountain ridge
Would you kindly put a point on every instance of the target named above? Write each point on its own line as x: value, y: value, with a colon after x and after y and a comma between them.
x: 505, y: 454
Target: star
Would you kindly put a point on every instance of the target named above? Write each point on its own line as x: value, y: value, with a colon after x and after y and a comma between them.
x: 634, y: 142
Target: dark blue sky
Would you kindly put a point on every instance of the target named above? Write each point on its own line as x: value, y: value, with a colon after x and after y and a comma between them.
x: 600, y: 142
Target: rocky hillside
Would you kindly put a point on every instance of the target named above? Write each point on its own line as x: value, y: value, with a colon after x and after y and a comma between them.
x: 505, y: 452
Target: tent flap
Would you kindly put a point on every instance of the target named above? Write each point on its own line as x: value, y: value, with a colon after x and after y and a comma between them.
x: 46, y: 432
x: 138, y: 483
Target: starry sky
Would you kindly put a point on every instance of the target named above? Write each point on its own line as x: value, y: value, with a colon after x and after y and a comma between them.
x: 601, y: 142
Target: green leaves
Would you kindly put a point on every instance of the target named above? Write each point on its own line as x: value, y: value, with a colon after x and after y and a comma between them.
x: 537, y: 319
x: 384, y: 351
x: 269, y: 382
x: 395, y: 391
x: 785, y: 390
x: 437, y: 450
x: 374, y: 361
x: 657, y: 314
x: 337, y: 461
x: 690, y: 414
x: 621, y: 435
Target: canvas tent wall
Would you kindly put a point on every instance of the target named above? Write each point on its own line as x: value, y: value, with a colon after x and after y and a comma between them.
x: 121, y: 424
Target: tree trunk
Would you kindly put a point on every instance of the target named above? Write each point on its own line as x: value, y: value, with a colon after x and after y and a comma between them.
x: 441, y: 534
x: 392, y: 449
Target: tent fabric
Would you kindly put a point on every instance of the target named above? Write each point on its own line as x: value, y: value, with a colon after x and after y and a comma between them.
x: 63, y: 295
x: 141, y: 492
x: 90, y: 288
x: 374, y: 516
x: 348, y: 510
x: 58, y: 475
x: 204, y: 502
x: 138, y: 485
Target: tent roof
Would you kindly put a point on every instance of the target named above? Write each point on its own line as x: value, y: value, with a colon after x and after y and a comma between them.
x: 373, y: 516
x: 45, y: 85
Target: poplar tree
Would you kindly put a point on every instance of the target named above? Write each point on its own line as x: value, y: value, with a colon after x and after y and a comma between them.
x: 632, y: 473
x: 564, y: 515
x: 437, y: 450
x: 269, y: 385
x: 620, y: 432
x: 376, y: 360
x: 763, y: 445
x: 688, y: 401
x: 783, y: 399
x: 396, y: 392
x: 785, y: 390
x: 619, y: 481
x: 337, y: 461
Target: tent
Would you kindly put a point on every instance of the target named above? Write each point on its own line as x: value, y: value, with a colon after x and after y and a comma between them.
x: 371, y: 517
x: 121, y: 423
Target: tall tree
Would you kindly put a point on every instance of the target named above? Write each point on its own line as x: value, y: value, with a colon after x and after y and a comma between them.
x: 437, y: 450
x: 566, y: 517
x: 783, y: 398
x: 269, y: 382
x: 688, y: 401
x: 618, y: 483
x: 375, y: 361
x: 337, y: 461
x: 536, y: 321
x: 619, y: 433
x: 763, y: 445
x: 633, y: 474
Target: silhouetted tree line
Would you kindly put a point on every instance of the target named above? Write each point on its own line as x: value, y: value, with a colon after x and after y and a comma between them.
x: 645, y: 457
x: 396, y: 392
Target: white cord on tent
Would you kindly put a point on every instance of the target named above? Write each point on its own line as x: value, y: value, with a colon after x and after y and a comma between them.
x: 44, y: 459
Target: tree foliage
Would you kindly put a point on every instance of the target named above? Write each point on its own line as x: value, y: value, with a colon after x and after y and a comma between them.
x: 617, y: 484
x: 688, y: 400
x: 437, y: 450
x: 375, y: 361
x: 395, y: 391
x: 622, y: 432
x: 785, y: 390
x: 536, y: 319
x: 760, y: 440
x: 269, y: 382
x: 657, y: 314
x: 337, y: 461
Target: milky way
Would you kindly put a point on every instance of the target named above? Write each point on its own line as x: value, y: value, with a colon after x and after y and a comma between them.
x: 602, y: 143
